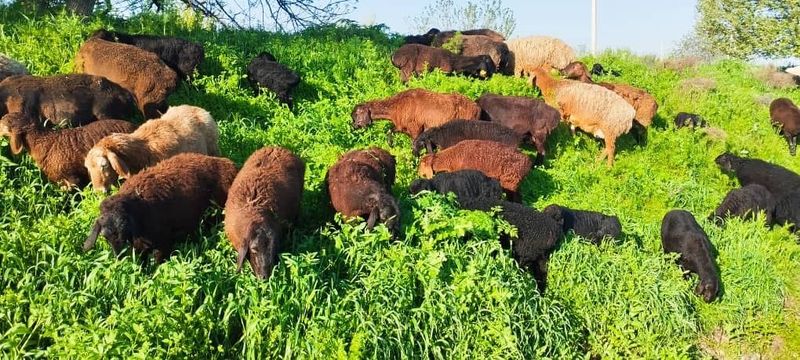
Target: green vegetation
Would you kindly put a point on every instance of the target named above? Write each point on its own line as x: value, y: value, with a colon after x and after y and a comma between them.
x: 444, y: 290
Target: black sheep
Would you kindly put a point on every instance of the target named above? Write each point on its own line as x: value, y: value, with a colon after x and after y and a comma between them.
x: 680, y: 233
x: 779, y: 180
x: 745, y: 202
x: 787, y: 210
x: 688, y: 119
x: 454, y: 131
x: 467, y: 185
x: 264, y: 71
x: 599, y: 70
x: 590, y: 225
x: 181, y: 55
x: 785, y: 115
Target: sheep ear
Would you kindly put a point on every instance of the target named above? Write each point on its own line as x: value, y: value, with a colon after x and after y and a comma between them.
x: 17, y: 142
x: 92, y: 238
x: 118, y: 165
x: 430, y: 148
x: 242, y: 255
x: 373, y: 218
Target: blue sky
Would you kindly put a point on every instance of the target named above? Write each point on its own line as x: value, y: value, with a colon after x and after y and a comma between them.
x: 645, y: 27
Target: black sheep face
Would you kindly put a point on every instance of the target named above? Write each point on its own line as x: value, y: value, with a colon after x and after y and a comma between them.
x: 262, y: 251
x: 726, y: 161
x: 707, y: 290
x: 598, y: 70
x: 362, y: 117
x: 103, y: 34
x: 486, y: 69
x: 419, y: 185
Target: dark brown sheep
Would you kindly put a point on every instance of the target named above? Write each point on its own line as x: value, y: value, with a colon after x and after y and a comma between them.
x: 415, y: 59
x: 531, y: 118
x: 263, y: 202
x: 181, y: 55
x: 360, y: 184
x: 73, y: 100
x: 162, y: 205
x: 59, y: 153
x: 139, y: 71
x: 786, y: 116
x: 412, y: 111
x: 428, y: 37
x: 476, y: 45
x: 680, y: 233
x: 453, y: 132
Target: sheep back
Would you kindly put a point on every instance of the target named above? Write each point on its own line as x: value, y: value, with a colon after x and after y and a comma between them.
x: 680, y: 233
x: 265, y: 71
x: 181, y: 55
x: 467, y: 185
x: 785, y: 115
x: 745, y: 202
x: 455, y: 131
x: 787, y: 210
x: 591, y: 225
x: 533, y: 52
x: 531, y: 118
x: 415, y: 59
x: 476, y: 45
x: 644, y: 103
x: 594, y: 109
x: 779, y: 180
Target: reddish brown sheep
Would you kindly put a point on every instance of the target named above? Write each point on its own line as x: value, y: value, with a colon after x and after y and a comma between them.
x: 786, y: 116
x: 415, y: 59
x: 263, y: 202
x: 531, y: 118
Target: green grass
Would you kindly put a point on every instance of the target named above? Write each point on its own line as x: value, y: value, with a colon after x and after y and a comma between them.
x: 444, y: 290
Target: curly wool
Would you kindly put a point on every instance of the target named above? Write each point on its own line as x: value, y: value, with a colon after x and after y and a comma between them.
x: 745, y: 202
x: 533, y: 52
x: 455, y: 131
x: 467, y: 185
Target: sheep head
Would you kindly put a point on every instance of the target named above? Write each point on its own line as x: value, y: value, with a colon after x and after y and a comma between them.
x: 115, y: 224
x: 419, y: 185
x: 362, y: 116
x: 105, y: 167
x: 727, y: 161
x: 708, y: 290
x: 384, y: 207
x: 260, y: 248
x: 103, y: 34
x: 426, y: 166
x: 576, y: 70
x: 15, y: 126
x: 486, y: 67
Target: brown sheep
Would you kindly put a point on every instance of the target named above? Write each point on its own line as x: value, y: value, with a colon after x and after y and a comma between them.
x: 62, y: 100
x: 140, y: 71
x: 785, y: 115
x: 263, y: 202
x: 162, y: 205
x: 59, y: 153
x: 502, y: 162
x: 428, y: 37
x: 415, y: 59
x: 476, y: 45
x: 415, y: 110
x: 360, y: 184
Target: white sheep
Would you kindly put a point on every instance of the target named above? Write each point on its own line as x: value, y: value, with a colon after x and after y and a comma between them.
x: 532, y: 52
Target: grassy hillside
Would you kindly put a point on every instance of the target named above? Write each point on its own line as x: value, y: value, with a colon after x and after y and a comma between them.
x: 446, y: 289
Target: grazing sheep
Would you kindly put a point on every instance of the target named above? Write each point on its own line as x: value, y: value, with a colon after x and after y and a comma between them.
x: 533, y: 52
x: 360, y: 184
x: 59, y: 153
x: 593, y: 109
x: 787, y: 210
x: 786, y: 116
x: 415, y: 59
x: 680, y: 233
x: 745, y: 202
x: 415, y: 110
x: 139, y: 71
x: 467, y: 185
x: 688, y: 119
x: 181, y: 55
x: 531, y: 118
x: 181, y: 129
x: 428, y: 38
x: 263, y: 201
x: 502, y: 162
x: 476, y: 45
x: 591, y: 225
x: 65, y: 99
x: 162, y: 205
x: 265, y: 71
x: 10, y: 67
x: 455, y: 131
x: 599, y: 70
x: 779, y: 180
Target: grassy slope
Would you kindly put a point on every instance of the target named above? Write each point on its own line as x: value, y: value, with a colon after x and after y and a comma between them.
x: 445, y: 290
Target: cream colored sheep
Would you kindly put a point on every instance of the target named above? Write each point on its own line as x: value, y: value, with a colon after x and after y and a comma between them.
x: 533, y: 52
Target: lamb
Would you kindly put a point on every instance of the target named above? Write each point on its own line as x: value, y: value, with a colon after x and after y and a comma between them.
x: 415, y: 59
x: 532, y: 118
x: 265, y: 71
x: 684, y: 119
x: 453, y: 132
x: 778, y: 180
x: 180, y: 55
x: 360, y: 184
x: 787, y: 211
x: 414, y: 110
x: 139, y: 71
x: 467, y: 185
x: 599, y: 70
x: 10, y: 67
x: 745, y: 202
x: 476, y: 45
x: 533, y: 52
x: 58, y: 153
x: 593, y: 109
x: 65, y: 100
x: 680, y: 233
x: 181, y: 129
x: 591, y: 225
x: 786, y: 116
x: 162, y: 205
x: 263, y: 201
x: 502, y: 162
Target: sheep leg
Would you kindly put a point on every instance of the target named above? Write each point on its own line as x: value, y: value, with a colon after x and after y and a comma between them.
x: 390, y: 138
x: 610, y: 150
x: 792, y: 145
x: 373, y: 218
x: 539, y: 141
x: 514, y: 196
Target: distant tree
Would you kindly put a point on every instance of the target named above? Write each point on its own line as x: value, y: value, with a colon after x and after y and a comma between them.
x: 748, y: 28
x: 695, y: 45
x: 447, y: 15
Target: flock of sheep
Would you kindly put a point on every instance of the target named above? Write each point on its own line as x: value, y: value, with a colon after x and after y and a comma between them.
x: 76, y: 128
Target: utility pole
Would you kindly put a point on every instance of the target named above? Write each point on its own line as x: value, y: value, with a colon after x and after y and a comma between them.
x: 594, y: 27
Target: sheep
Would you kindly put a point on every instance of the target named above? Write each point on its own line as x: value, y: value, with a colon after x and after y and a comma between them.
x: 787, y: 211
x: 162, y: 205
x: 428, y: 38
x: 59, y: 153
x: 532, y: 118
x: 65, y: 100
x: 502, y: 162
x: 10, y: 67
x: 779, y: 180
x: 533, y: 52
x: 415, y: 59
x: 599, y: 70
x: 476, y: 45
x: 265, y: 71
x: 593, y: 109
x: 786, y: 116
x: 181, y: 129
x: 745, y: 202
x: 680, y: 233
x: 139, y: 71
x: 360, y: 184
x: 180, y: 55
x: 263, y: 201
x: 414, y: 110
x: 453, y: 132
x: 591, y: 225
x: 467, y: 185
x: 684, y: 119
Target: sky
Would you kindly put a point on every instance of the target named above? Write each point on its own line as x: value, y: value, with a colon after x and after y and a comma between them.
x: 644, y: 27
